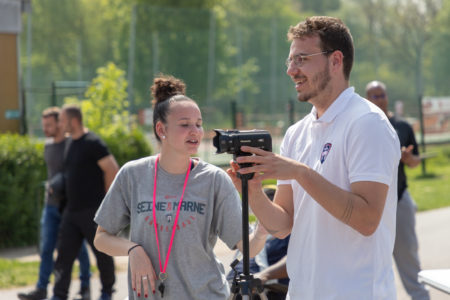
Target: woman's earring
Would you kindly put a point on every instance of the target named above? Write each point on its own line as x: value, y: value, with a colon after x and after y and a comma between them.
x: 163, y: 137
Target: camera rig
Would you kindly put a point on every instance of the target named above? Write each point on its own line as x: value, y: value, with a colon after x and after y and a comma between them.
x: 230, y: 141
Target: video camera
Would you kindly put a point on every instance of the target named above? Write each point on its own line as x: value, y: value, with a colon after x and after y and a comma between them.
x: 230, y: 141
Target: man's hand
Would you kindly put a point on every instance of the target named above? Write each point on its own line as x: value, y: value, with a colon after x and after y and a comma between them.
x: 408, y: 157
x: 268, y: 164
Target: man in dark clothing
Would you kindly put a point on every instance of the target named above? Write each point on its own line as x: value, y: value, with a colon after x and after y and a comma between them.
x: 89, y: 171
x: 51, y: 214
x: 406, y: 244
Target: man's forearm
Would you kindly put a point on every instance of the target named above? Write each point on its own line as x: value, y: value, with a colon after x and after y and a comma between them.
x: 361, y: 208
x: 108, y: 179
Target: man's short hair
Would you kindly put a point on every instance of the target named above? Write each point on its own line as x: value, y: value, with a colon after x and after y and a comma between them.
x: 333, y: 34
x: 51, y: 112
x: 73, y: 111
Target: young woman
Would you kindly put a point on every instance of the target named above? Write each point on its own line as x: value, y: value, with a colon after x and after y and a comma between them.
x: 176, y: 206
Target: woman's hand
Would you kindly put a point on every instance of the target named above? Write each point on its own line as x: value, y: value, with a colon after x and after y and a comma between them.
x: 254, y: 184
x: 142, y: 271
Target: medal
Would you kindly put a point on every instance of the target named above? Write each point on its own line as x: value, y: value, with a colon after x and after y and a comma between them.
x: 163, y: 275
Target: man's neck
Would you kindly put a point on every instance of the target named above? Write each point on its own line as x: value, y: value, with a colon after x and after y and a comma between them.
x: 324, y: 101
x: 59, y: 137
x: 78, y: 133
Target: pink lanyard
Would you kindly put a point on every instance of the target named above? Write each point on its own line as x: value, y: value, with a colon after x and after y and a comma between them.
x: 162, y: 274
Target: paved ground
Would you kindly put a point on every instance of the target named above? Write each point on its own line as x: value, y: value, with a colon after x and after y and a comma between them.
x: 433, y: 228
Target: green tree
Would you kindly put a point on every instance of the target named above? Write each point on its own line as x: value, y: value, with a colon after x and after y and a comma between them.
x: 408, y: 29
x: 320, y: 7
x: 252, y: 36
x: 391, y: 42
x: 437, y: 54
x: 105, y: 112
x: 105, y: 109
x: 69, y: 40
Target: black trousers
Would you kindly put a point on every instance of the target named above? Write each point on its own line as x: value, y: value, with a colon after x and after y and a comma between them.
x: 76, y: 226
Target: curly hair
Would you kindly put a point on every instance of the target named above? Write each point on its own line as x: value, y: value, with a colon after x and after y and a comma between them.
x: 166, y: 86
x: 166, y: 89
x: 333, y: 34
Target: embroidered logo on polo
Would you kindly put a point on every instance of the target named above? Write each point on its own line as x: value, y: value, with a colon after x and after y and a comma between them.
x: 325, y: 151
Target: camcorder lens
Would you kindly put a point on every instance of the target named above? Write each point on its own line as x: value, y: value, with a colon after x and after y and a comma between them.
x: 230, y: 141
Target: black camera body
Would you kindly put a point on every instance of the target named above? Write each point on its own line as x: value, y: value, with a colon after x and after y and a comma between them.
x: 230, y: 141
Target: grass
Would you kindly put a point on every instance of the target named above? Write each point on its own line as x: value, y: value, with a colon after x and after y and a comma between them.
x: 430, y: 191
x: 14, y: 273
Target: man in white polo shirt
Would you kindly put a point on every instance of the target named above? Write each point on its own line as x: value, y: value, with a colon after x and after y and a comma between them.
x: 337, y: 176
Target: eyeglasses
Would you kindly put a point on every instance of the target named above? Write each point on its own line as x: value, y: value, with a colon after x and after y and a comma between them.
x: 299, y: 59
x: 379, y: 96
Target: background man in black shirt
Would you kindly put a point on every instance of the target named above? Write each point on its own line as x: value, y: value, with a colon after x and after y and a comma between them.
x: 406, y: 244
x: 51, y: 213
x: 89, y: 171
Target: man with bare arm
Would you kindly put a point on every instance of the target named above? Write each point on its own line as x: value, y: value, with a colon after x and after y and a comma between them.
x: 89, y: 171
x: 337, y: 176
x: 53, y: 207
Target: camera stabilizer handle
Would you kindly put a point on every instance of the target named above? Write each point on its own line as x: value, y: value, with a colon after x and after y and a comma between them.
x: 245, y: 284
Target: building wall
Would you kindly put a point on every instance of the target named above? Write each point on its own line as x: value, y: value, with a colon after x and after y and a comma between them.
x: 9, y: 85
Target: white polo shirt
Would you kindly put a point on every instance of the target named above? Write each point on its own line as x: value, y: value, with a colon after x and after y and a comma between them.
x: 327, y: 259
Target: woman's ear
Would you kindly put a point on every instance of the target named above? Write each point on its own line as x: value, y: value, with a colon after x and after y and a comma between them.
x: 160, y: 130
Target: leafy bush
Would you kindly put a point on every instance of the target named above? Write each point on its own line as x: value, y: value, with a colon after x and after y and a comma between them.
x: 105, y: 113
x: 126, y: 146
x: 22, y: 172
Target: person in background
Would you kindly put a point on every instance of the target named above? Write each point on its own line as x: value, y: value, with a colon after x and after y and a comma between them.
x: 337, y: 176
x: 51, y: 214
x: 176, y: 206
x: 89, y: 171
x: 406, y: 246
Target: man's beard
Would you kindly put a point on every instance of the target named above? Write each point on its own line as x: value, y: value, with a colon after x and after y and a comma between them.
x: 322, y: 79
